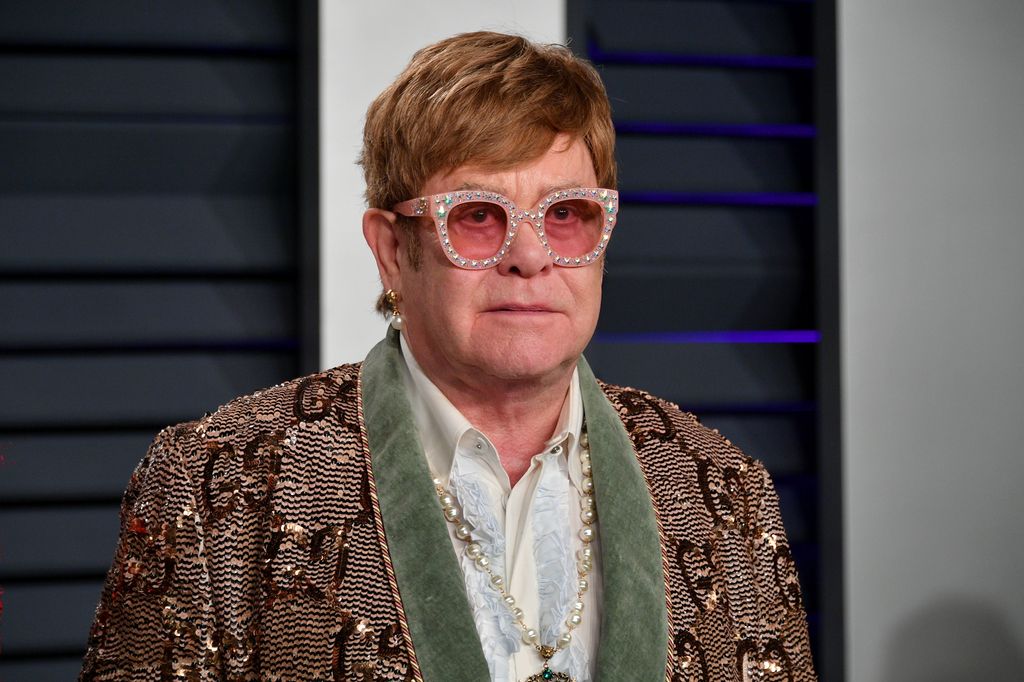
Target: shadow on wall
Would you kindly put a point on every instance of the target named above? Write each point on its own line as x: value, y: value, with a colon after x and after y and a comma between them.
x: 952, y: 640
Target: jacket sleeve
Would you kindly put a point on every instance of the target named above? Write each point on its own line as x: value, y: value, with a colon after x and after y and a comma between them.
x: 155, y: 619
x: 785, y: 651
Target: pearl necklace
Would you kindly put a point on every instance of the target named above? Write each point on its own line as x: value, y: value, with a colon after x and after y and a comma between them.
x: 584, y: 564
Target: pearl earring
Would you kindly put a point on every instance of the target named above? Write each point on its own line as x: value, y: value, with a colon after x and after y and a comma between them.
x: 395, y: 317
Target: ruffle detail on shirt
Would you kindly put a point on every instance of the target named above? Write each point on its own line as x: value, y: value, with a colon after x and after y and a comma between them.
x: 579, y: 664
x: 553, y: 548
x: 498, y: 630
x: 473, y: 498
x: 493, y: 640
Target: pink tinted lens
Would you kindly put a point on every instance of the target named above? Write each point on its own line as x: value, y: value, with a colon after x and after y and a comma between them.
x: 477, y: 229
x: 573, y: 226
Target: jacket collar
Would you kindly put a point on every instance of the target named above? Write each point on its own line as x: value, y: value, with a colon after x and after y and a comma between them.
x: 634, y: 621
x: 634, y: 625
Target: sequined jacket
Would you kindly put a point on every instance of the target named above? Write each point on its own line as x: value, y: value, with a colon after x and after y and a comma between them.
x: 294, y: 534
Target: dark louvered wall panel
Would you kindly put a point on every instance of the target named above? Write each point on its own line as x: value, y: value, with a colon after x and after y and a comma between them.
x: 710, y: 297
x: 112, y: 234
x: 149, y: 269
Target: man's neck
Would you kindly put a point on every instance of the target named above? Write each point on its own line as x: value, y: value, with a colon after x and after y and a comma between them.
x: 518, y: 424
x: 517, y: 416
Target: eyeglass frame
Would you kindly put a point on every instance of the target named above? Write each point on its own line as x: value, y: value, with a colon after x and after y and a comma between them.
x: 608, y: 199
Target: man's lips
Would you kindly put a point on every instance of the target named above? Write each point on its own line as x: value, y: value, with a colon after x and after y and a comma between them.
x: 520, y: 308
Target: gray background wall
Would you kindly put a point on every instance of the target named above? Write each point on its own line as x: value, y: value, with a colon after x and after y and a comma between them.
x: 932, y: 185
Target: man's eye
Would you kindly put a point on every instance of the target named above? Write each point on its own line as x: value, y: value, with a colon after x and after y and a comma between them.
x: 564, y: 213
x: 477, y: 215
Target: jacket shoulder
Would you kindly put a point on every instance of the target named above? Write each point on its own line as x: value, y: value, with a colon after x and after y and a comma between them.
x: 263, y: 416
x: 648, y: 418
x: 727, y: 540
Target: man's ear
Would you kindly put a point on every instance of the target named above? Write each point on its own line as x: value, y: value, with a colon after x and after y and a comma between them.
x: 381, y: 234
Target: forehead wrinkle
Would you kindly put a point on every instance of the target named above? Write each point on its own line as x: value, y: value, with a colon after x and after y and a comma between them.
x: 471, y: 185
x: 483, y: 187
x: 570, y: 184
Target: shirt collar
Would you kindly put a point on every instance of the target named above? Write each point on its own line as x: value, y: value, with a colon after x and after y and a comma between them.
x: 441, y: 426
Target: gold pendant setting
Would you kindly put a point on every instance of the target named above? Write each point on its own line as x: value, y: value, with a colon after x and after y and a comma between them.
x: 547, y: 674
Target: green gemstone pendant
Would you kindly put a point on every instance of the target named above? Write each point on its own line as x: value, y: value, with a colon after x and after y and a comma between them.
x: 547, y: 674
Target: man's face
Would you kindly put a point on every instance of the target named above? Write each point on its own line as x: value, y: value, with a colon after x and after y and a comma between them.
x: 523, y: 320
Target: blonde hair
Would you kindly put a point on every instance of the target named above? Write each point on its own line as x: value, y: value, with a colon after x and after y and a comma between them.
x: 485, y: 98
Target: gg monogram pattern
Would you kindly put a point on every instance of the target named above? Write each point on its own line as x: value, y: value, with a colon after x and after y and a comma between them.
x: 252, y: 548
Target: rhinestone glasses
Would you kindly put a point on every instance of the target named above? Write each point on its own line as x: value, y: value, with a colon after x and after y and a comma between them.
x: 476, y: 228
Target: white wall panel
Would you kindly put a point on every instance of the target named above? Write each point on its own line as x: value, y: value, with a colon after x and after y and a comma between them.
x: 364, y: 45
x: 932, y: 183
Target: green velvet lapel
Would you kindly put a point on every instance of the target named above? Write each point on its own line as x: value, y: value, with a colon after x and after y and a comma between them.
x: 634, y: 622
x: 429, y: 577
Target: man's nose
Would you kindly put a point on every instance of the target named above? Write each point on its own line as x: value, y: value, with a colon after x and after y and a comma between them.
x: 527, y: 255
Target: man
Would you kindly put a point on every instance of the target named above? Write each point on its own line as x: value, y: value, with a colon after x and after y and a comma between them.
x: 469, y: 503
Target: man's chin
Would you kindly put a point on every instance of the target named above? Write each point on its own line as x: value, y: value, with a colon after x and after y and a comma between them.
x: 521, y: 366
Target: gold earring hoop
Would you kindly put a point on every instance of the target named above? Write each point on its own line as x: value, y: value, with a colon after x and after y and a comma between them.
x: 395, y: 316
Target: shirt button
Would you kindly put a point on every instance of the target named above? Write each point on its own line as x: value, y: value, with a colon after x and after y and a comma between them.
x: 479, y: 443
x: 557, y: 450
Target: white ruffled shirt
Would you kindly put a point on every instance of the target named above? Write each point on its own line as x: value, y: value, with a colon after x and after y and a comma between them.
x: 530, y: 531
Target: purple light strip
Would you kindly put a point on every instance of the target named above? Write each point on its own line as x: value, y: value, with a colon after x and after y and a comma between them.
x: 753, y: 336
x: 596, y: 54
x: 721, y: 198
x: 717, y: 129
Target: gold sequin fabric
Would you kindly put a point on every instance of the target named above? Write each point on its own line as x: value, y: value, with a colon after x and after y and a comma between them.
x: 251, y: 548
x: 733, y: 597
